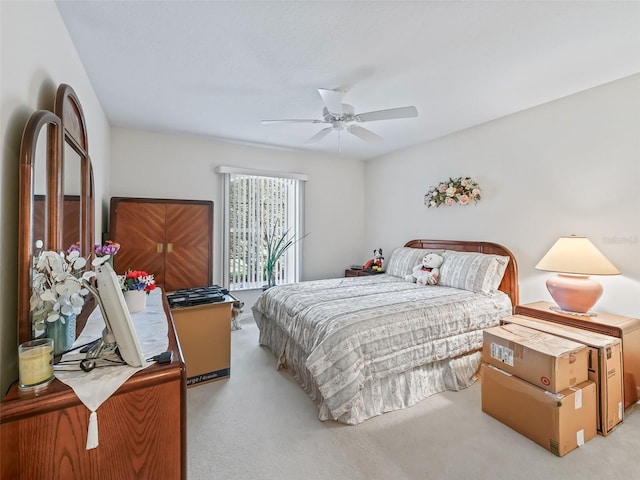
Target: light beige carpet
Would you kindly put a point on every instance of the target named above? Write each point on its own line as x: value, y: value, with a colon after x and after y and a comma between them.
x: 259, y: 424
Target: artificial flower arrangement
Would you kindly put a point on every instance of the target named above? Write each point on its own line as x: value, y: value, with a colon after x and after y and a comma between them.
x: 58, y: 284
x: 109, y: 248
x: 137, y: 280
x: 460, y: 190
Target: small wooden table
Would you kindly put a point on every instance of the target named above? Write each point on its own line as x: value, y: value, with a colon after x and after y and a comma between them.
x: 350, y: 272
x: 625, y: 328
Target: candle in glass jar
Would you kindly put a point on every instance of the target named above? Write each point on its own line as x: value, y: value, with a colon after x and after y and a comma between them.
x: 35, y: 363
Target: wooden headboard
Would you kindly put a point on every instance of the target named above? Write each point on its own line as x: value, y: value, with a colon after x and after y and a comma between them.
x: 509, y: 284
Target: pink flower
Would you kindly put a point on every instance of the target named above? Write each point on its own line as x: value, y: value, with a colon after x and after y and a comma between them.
x: 460, y: 190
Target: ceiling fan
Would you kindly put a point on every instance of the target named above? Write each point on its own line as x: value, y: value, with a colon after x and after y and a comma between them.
x: 342, y: 117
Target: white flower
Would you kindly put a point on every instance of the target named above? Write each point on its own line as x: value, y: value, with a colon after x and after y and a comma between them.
x: 57, y: 288
x: 457, y: 190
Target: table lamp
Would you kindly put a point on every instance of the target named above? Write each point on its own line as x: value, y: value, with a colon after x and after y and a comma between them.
x: 574, y: 259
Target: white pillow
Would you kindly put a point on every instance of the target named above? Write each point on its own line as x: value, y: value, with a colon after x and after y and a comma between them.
x: 477, y: 272
x: 403, y: 259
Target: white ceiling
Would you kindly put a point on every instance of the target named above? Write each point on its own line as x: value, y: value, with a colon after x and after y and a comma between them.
x: 217, y: 68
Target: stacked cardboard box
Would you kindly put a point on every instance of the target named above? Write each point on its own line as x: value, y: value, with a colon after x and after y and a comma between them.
x: 604, y: 369
x: 537, y: 384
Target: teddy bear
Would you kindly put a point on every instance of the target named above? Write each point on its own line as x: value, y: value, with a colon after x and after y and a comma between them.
x: 375, y: 263
x: 428, y: 272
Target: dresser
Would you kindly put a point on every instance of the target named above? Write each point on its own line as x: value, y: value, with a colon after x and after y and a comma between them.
x: 625, y: 328
x: 142, y: 428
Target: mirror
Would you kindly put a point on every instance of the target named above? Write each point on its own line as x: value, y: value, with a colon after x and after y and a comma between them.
x: 56, y: 193
x: 40, y: 153
x: 39, y: 178
x: 72, y: 218
x: 77, y: 175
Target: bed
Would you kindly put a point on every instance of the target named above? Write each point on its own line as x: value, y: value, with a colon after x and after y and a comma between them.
x: 363, y: 346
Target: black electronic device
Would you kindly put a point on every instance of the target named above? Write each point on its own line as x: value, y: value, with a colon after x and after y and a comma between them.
x: 190, y: 297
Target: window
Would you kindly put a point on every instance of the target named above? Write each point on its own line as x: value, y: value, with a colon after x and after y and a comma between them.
x: 256, y: 203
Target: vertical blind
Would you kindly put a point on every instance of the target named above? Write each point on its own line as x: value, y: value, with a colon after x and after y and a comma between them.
x: 256, y: 205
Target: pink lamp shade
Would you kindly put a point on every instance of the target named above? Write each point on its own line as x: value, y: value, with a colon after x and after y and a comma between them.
x: 575, y: 258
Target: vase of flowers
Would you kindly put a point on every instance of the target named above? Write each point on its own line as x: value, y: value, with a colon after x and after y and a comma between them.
x: 136, y: 285
x: 58, y: 292
x: 57, y: 295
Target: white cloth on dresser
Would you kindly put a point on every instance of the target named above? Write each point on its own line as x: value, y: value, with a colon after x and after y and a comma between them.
x: 96, y: 386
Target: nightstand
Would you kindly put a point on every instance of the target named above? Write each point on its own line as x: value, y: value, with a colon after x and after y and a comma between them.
x: 625, y: 328
x: 350, y: 272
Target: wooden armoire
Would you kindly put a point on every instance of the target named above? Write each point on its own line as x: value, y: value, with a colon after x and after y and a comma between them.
x: 171, y: 239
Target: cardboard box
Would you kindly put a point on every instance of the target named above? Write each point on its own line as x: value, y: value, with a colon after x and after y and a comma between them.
x: 546, y: 361
x: 559, y: 422
x: 204, y: 333
x: 604, y: 367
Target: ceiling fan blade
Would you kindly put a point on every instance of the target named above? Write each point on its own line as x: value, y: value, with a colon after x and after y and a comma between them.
x: 293, y: 120
x: 320, y: 135
x: 389, y: 114
x: 332, y: 100
x: 363, y: 133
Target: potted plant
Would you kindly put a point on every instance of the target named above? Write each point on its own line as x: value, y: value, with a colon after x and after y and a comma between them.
x: 136, y: 285
x: 276, y: 245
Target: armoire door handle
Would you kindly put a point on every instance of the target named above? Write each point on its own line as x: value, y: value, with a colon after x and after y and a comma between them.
x: 159, y: 247
x: 169, y: 247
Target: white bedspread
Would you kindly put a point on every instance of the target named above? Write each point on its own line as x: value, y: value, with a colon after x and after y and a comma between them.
x: 355, y: 330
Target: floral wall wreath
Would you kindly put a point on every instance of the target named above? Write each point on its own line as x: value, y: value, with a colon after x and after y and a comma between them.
x: 460, y: 190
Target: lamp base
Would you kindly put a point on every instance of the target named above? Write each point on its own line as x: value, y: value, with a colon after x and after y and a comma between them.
x: 574, y: 293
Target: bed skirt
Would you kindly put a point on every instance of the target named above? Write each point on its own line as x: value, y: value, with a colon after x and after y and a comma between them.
x: 378, y: 395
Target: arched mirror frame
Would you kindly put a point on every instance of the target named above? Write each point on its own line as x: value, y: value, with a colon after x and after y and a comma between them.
x: 38, y: 120
x: 67, y: 107
x: 65, y: 127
